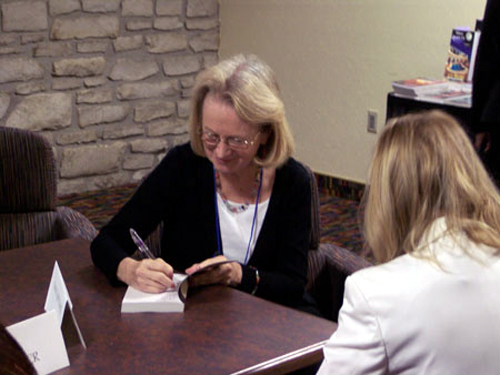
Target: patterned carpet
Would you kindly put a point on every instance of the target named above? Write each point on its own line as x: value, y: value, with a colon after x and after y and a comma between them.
x: 339, y: 223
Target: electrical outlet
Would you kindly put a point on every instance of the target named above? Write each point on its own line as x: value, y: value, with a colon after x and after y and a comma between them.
x: 372, y: 121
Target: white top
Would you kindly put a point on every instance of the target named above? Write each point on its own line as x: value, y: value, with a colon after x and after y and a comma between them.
x: 236, y: 227
x: 408, y: 316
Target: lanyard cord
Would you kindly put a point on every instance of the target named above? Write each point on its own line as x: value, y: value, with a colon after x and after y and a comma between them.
x: 217, y: 219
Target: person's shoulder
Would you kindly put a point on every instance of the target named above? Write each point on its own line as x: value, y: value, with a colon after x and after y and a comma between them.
x: 294, y: 169
x: 401, y: 276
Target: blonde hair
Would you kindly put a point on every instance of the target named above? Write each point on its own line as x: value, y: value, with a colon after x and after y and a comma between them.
x: 424, y: 168
x: 249, y: 86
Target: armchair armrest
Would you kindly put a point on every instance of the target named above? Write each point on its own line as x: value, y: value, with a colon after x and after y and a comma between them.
x: 329, y: 266
x: 73, y: 224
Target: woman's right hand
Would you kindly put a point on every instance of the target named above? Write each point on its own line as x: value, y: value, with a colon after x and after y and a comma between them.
x: 147, y: 275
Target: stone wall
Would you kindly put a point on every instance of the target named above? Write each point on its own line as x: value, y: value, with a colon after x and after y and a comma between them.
x: 106, y: 81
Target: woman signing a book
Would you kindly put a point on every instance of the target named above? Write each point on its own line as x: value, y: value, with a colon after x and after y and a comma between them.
x: 432, y: 219
x: 232, y: 193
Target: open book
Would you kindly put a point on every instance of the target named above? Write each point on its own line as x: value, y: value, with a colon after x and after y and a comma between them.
x: 171, y: 300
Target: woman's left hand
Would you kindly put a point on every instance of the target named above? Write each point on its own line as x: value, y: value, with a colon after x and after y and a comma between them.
x: 226, y: 274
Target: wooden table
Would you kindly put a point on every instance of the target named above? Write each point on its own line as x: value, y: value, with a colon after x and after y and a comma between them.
x: 221, y: 331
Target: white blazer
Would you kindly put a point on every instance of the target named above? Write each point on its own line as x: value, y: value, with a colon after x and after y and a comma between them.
x: 408, y: 316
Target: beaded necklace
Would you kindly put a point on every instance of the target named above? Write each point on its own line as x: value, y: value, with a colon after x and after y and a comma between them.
x: 217, y: 222
x: 239, y: 207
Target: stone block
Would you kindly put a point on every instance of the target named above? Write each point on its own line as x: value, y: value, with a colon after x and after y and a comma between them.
x: 30, y: 88
x: 127, y: 43
x: 208, y: 41
x: 94, y: 81
x: 134, y: 162
x: 32, y: 38
x: 93, y: 115
x: 20, y: 69
x: 202, y: 23
x: 169, y: 7
x: 42, y: 112
x: 140, y: 175
x: 164, y: 127
x: 58, y: 7
x: 90, y: 47
x: 183, y: 108
x: 100, y: 6
x: 82, y: 67
x: 53, y: 49
x: 135, y: 25
x: 10, y: 50
x: 4, y: 103
x: 66, y: 83
x: 179, y: 139
x: 187, y: 82
x: 181, y: 64
x: 123, y: 132
x: 6, y: 39
x: 167, y: 23
x: 92, y: 159
x: 152, y: 110
x: 210, y: 60
x: 76, y: 137
x: 166, y: 42
x: 201, y: 8
x: 141, y: 8
x: 85, y: 27
x: 24, y: 16
x: 94, y: 96
x: 110, y: 180
x: 148, y: 145
x: 133, y: 70
x: 131, y: 91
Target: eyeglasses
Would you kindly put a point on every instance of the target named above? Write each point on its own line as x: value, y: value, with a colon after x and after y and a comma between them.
x: 212, y: 139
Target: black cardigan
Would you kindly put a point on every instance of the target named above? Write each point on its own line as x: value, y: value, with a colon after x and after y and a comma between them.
x: 180, y: 192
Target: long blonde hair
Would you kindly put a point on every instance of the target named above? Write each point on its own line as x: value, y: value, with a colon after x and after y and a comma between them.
x: 424, y: 167
x: 250, y: 87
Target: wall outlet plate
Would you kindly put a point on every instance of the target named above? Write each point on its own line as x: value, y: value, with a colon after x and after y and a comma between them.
x: 372, y: 121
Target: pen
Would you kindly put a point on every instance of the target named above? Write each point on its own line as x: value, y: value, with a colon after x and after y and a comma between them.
x: 141, y: 245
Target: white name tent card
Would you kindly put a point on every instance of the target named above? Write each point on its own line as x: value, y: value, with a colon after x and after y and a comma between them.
x: 41, y: 337
x: 58, y: 299
x: 42, y: 341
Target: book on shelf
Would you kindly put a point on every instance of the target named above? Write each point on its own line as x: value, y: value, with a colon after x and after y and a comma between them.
x: 462, y: 54
x: 172, y: 300
x: 418, y: 86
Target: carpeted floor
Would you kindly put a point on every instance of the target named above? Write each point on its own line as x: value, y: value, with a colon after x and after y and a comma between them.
x: 339, y: 223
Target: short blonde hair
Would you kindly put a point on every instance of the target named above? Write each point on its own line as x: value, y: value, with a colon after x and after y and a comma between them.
x: 249, y: 86
x: 424, y: 168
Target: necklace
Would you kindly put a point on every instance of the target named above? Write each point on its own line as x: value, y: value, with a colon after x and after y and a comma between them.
x: 239, y: 207
x: 217, y: 222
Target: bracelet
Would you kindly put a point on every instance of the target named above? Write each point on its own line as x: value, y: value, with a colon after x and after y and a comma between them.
x: 257, y: 279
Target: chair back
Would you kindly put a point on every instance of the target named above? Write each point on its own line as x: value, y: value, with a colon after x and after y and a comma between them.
x: 27, y: 172
x: 28, y: 193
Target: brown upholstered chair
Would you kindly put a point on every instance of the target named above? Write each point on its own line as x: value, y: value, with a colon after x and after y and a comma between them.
x: 28, y: 193
x: 329, y: 265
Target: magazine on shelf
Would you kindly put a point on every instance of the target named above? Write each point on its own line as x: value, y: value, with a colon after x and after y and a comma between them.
x: 172, y: 300
x: 462, y: 54
x: 457, y: 93
x: 418, y: 86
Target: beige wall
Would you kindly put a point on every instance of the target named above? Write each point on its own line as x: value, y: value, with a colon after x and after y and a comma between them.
x: 335, y: 59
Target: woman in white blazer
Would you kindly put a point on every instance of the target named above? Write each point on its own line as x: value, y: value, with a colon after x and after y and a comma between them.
x: 432, y: 220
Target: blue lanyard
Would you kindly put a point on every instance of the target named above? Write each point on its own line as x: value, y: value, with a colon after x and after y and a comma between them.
x: 217, y: 221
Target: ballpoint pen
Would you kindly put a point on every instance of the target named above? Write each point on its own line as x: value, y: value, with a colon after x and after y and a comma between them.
x: 141, y: 245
